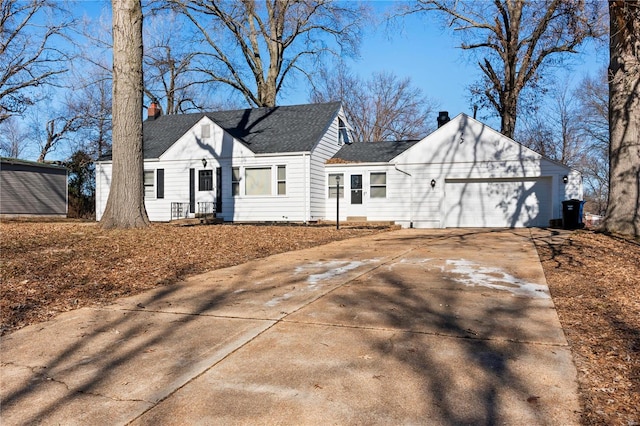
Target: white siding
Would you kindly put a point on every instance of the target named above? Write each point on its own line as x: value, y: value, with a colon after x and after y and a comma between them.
x: 221, y: 150
x: 288, y: 207
x: 103, y: 183
x: 463, y: 151
x: 324, y: 150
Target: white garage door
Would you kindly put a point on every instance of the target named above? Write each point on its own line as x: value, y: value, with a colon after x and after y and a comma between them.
x: 497, y: 202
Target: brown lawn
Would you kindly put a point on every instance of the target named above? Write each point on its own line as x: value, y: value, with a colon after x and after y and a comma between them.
x: 48, y: 268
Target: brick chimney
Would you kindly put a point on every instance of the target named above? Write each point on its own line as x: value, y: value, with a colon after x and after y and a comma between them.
x: 154, y: 110
x: 443, y: 118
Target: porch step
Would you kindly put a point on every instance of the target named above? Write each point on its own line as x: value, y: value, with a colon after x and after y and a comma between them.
x: 197, y: 221
x: 361, y: 223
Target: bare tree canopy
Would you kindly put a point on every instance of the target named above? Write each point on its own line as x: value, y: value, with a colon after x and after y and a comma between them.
x: 255, y: 46
x: 515, y: 40
x: 624, y: 119
x: 125, y: 205
x: 28, y: 55
x: 169, y: 63
x: 383, y: 108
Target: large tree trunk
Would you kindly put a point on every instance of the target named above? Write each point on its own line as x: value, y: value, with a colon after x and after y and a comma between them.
x: 624, y: 119
x: 125, y: 206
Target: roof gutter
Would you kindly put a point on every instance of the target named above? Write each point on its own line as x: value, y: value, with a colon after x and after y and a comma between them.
x: 410, y: 193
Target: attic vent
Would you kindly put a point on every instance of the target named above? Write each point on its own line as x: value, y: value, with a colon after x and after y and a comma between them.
x: 343, y: 133
x: 205, y: 131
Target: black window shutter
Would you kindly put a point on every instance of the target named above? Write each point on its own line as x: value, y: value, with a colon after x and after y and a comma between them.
x: 192, y: 190
x: 160, y: 183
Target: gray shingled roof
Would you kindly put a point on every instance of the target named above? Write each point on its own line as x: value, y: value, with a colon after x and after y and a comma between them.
x: 373, y: 152
x: 295, y: 128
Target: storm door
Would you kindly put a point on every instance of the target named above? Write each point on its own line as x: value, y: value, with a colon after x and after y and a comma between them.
x: 356, y: 189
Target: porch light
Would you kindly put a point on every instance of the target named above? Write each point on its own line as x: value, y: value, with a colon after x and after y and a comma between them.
x: 433, y: 183
x: 204, y: 162
x: 565, y: 179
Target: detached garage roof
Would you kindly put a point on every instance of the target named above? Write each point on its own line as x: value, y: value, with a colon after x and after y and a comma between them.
x: 371, y: 152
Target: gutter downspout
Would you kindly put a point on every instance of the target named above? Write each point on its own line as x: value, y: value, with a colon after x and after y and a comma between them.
x: 410, y: 194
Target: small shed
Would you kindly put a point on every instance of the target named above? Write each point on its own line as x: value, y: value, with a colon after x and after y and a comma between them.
x: 28, y: 188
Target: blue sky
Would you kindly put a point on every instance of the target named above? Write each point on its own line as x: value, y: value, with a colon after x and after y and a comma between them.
x: 418, y: 47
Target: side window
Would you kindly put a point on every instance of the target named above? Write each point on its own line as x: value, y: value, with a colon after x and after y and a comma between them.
x: 378, y: 184
x: 343, y: 133
x: 149, y: 184
x: 282, y: 180
x: 333, y: 180
x: 235, y: 181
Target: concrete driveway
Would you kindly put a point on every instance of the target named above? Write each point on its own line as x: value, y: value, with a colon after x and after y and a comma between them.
x: 438, y: 327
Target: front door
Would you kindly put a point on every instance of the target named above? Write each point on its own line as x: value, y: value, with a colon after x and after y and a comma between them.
x: 357, y: 206
x: 356, y: 189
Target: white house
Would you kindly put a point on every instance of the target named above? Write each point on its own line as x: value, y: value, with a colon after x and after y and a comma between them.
x: 282, y: 164
x: 262, y: 164
x: 464, y: 174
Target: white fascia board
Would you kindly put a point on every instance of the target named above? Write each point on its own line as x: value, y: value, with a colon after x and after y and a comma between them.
x: 284, y: 154
x: 346, y: 165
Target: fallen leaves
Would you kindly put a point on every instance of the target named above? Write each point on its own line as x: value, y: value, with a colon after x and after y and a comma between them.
x: 48, y: 268
x: 594, y: 281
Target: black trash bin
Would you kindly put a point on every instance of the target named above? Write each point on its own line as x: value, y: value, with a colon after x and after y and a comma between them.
x: 572, y: 214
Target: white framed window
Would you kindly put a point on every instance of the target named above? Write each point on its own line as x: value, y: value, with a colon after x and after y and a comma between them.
x: 333, y: 180
x: 282, y: 180
x: 257, y: 181
x: 235, y: 181
x: 378, y: 184
x: 149, y: 184
x: 343, y: 133
x: 205, y: 180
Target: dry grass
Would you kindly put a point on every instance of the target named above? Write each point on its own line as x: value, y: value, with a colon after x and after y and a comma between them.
x: 594, y: 280
x: 48, y: 268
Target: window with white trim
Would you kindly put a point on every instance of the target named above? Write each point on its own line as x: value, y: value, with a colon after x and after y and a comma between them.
x: 378, y: 184
x: 149, y: 184
x: 343, y: 133
x: 333, y: 180
x: 205, y: 180
x: 257, y: 181
x: 235, y: 181
x: 282, y: 180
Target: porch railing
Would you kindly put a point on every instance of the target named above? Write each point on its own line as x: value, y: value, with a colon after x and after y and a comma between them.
x: 206, y: 209
x: 179, y: 211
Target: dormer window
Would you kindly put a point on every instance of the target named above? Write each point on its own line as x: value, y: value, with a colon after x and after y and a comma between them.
x: 343, y: 133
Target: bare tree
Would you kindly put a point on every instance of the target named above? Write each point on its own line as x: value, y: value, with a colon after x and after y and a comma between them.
x: 624, y: 119
x: 515, y: 40
x: 254, y: 47
x: 385, y: 107
x: 58, y: 129
x: 169, y: 66
x: 12, y: 138
x: 29, y: 57
x: 592, y: 94
x: 553, y: 130
x: 125, y: 205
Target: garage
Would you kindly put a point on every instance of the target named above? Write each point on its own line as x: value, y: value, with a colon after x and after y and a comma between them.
x: 463, y: 175
x: 515, y: 202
